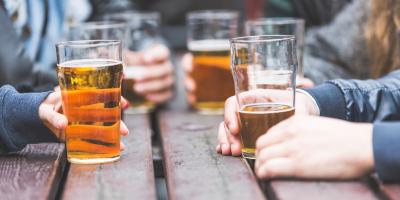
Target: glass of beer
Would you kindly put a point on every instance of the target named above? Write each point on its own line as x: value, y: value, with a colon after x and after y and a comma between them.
x: 281, y: 26
x: 208, y: 40
x: 90, y: 74
x: 263, y: 67
x: 143, y: 29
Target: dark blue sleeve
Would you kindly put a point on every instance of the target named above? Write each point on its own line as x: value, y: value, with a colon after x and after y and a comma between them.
x: 386, y: 147
x: 360, y: 100
x: 330, y: 100
x: 19, y: 119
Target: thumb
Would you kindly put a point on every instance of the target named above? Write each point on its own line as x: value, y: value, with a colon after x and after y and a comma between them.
x: 52, y: 118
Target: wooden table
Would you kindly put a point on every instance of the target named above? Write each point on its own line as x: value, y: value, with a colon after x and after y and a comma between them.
x: 188, y: 161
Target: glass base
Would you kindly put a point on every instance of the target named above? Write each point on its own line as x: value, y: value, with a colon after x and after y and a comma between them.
x: 210, y: 108
x: 249, y: 153
x: 93, y: 160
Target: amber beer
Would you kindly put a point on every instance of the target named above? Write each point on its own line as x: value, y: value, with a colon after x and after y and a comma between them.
x: 256, y: 119
x: 91, y: 96
x: 138, y: 103
x: 212, y: 74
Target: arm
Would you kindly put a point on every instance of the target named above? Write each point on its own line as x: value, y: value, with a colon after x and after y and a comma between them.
x: 360, y: 101
x: 337, y: 49
x: 20, y: 123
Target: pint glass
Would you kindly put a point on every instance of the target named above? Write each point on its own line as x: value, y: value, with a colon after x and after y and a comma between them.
x: 208, y: 41
x: 262, y: 68
x: 89, y: 74
x: 143, y: 30
x: 281, y: 26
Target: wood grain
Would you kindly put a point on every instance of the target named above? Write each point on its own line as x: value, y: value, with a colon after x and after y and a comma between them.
x: 193, y: 169
x: 132, y: 177
x: 33, y: 173
x: 321, y: 190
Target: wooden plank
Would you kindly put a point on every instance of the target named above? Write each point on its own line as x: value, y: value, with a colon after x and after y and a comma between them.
x: 132, y: 177
x: 322, y: 190
x: 391, y: 190
x: 33, y: 173
x: 388, y: 190
x: 193, y: 169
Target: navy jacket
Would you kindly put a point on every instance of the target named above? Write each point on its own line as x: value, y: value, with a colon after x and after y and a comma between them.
x: 19, y: 120
x: 376, y: 101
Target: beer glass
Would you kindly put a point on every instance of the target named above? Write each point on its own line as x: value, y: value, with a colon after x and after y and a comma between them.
x: 143, y: 29
x: 208, y: 40
x: 281, y: 26
x: 90, y: 74
x: 263, y: 69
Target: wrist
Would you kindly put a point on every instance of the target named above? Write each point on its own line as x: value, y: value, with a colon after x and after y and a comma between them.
x: 363, y: 136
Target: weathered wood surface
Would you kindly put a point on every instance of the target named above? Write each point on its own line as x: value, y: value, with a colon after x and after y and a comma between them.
x: 33, y: 173
x: 132, y: 177
x: 321, y: 190
x: 391, y: 190
x: 193, y: 168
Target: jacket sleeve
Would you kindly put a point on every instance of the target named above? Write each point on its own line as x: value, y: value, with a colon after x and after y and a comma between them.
x: 19, y: 120
x: 385, y: 139
x: 337, y: 50
x: 360, y: 101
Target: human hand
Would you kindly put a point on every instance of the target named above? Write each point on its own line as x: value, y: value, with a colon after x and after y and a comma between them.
x: 304, y: 83
x: 228, y: 133
x: 189, y: 82
x: 50, y: 114
x: 315, y: 148
x: 156, y: 81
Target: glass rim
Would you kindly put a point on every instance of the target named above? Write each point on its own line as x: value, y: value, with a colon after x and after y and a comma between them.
x: 87, y: 43
x: 276, y: 21
x: 262, y: 38
x: 212, y: 14
x: 99, y: 25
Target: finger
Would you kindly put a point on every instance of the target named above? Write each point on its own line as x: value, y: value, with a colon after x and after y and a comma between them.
x: 191, y: 98
x: 55, y: 119
x: 275, y: 135
x: 123, y: 129
x: 155, y: 54
x: 305, y: 83
x: 190, y: 84
x: 186, y: 62
x: 154, y: 85
x: 155, y: 72
x: 122, y: 146
x: 272, y: 152
x: 160, y: 97
x: 133, y: 58
x: 230, y: 116
x: 223, y: 140
x: 236, y: 144
x: 124, y: 103
x: 218, y: 148
x: 279, y: 167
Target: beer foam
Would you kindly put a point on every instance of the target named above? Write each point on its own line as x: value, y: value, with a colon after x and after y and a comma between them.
x: 266, y: 112
x: 90, y: 63
x: 209, y: 45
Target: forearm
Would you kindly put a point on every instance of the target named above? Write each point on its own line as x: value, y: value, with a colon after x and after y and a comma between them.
x: 320, y: 70
x: 19, y: 119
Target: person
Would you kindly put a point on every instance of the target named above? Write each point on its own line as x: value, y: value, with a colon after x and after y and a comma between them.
x: 31, y: 67
x: 356, y: 44
x: 342, y: 129
x: 29, y: 118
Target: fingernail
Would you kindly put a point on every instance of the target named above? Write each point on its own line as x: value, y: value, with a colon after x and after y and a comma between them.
x: 218, y: 148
